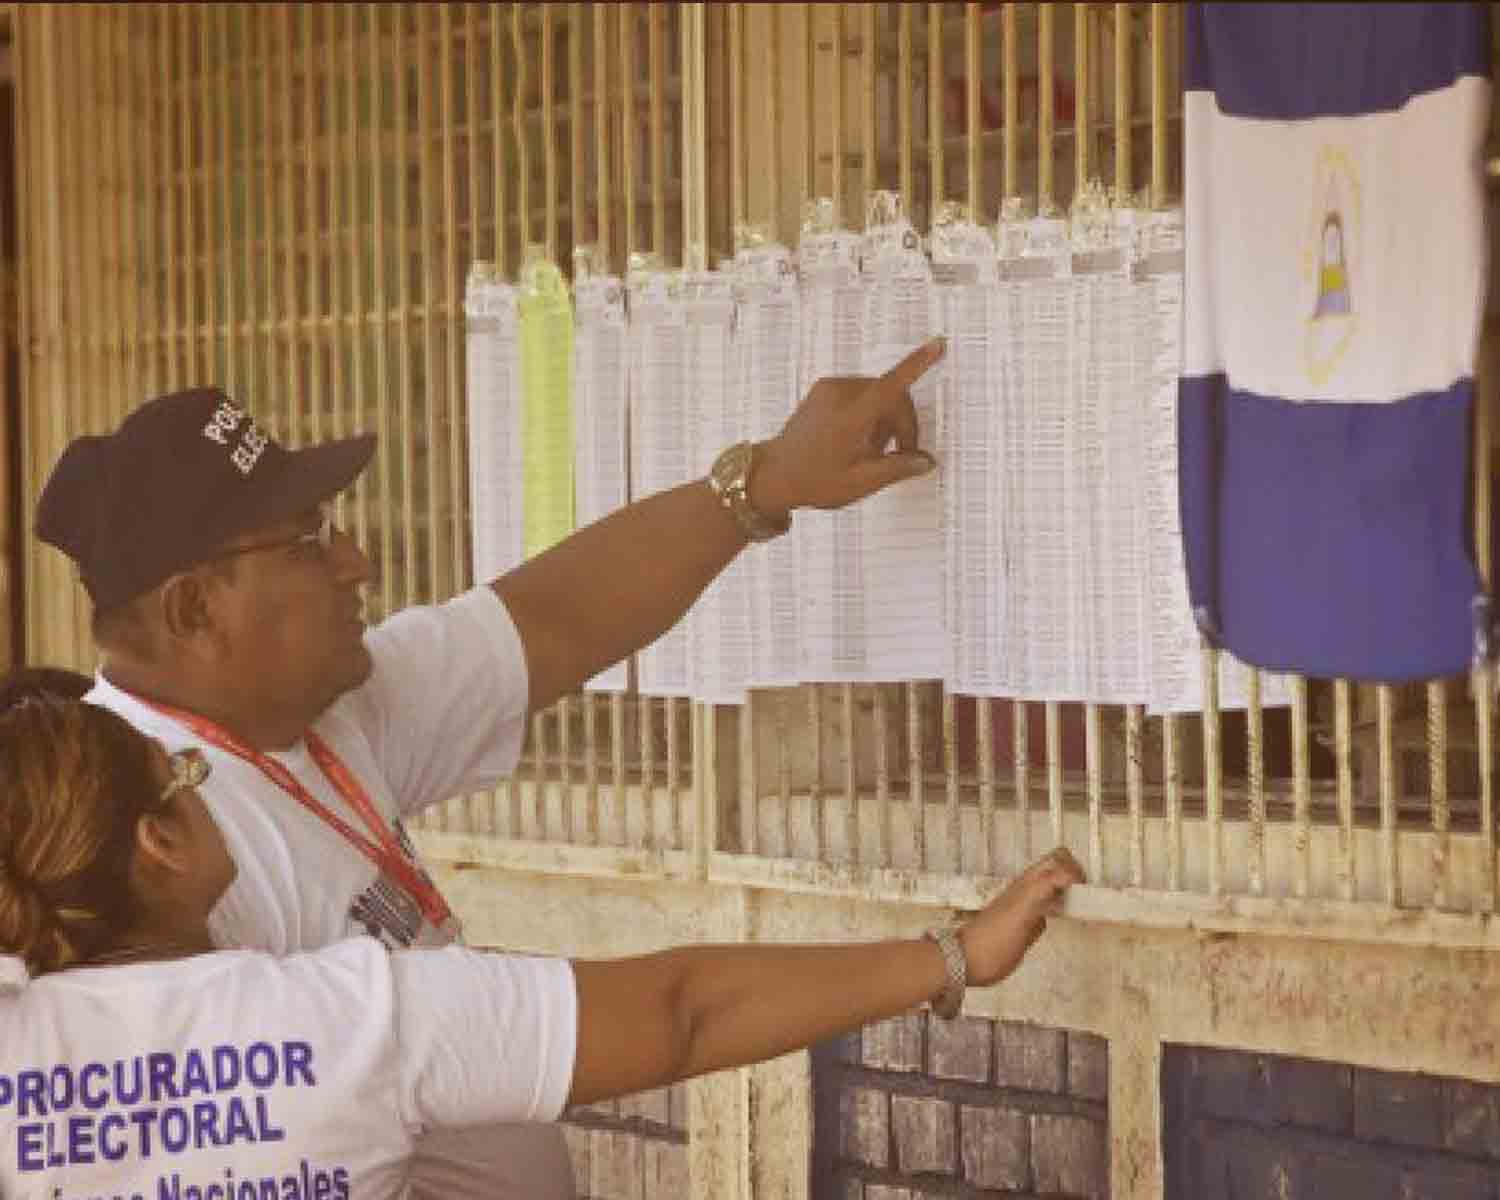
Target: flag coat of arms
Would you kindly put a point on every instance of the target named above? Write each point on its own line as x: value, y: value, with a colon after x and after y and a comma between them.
x: 1335, y: 277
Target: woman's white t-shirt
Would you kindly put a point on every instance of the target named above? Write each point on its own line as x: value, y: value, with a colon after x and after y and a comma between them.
x: 238, y: 1075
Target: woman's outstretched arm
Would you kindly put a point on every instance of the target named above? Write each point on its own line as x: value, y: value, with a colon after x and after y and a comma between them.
x: 658, y: 1018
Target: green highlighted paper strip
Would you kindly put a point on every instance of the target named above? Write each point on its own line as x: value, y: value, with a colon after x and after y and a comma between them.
x: 547, y: 403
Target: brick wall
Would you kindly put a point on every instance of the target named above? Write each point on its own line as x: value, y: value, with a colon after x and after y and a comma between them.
x: 1237, y: 1124
x: 917, y: 1108
x: 631, y: 1149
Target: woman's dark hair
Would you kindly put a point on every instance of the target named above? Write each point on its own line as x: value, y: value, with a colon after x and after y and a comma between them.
x: 75, y: 780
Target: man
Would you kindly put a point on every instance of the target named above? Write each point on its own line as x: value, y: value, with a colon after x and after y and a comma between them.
x: 228, y: 615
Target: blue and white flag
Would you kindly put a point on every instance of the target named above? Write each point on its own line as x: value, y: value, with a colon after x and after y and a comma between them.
x: 1336, y: 267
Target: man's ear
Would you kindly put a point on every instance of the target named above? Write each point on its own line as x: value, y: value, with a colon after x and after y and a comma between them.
x: 185, y: 607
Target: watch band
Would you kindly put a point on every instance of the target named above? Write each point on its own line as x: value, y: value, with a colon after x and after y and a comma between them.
x: 730, y: 480
x: 951, y: 997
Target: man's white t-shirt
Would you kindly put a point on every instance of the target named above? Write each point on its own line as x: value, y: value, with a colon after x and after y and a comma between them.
x: 309, y: 1076
x: 443, y: 713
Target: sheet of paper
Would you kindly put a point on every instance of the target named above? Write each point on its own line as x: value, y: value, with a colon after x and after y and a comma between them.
x: 661, y: 443
x: 496, y: 465
x: 600, y: 392
x: 547, y: 405
x: 718, y: 625
x: 768, y: 325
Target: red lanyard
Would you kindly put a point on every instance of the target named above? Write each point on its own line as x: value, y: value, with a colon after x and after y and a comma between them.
x: 382, y: 849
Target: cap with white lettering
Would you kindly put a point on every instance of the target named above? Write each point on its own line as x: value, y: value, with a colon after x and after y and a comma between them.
x: 182, y: 475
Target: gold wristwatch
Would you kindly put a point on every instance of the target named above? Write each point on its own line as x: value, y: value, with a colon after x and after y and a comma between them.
x: 951, y: 998
x: 730, y: 479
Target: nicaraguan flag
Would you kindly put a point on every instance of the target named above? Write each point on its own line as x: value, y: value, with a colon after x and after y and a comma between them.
x: 1336, y: 265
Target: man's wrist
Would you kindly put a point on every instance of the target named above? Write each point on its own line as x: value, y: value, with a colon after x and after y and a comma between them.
x: 766, y: 491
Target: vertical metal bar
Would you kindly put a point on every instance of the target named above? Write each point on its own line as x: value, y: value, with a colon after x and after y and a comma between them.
x: 954, y: 819
x: 1385, y: 700
x: 1134, y: 792
x: 1083, y: 98
x: 1345, y: 778
x: 266, y: 323
x: 657, y: 67
x: 1172, y: 773
x: 540, y: 772
x: 1437, y: 765
x: 1301, y: 791
x: 1213, y: 772
x: 1022, y: 751
x: 428, y: 174
x: 591, y: 753
x: 750, y: 775
x: 773, y: 106
x: 851, y: 785
x: 379, y: 156
x: 337, y: 234
x: 128, y: 227
x: 187, y: 114
x: 694, y: 104
x: 916, y: 782
x: 903, y: 102
x: 1010, y: 81
x: 576, y: 205
x: 627, y: 109
x: 1054, y: 769
x: 937, y: 181
x: 1159, y: 104
x: 1045, y: 15
x: 290, y: 321
x: 617, y: 765
x: 815, y: 802
x: 1255, y: 784
x: 565, y: 765
x: 1094, y: 771
x: 602, y: 177
x: 497, y: 127
x: 227, y: 148
x: 646, y: 715
x: 784, y: 773
x: 171, y: 219
x: 359, y: 249
x: 1124, y: 132
x: 883, y: 774
x: 836, y: 114
x: 473, y: 130
x: 109, y: 215
x: 314, y: 221
x: 448, y: 318
x: 518, y: 120
x: 737, y: 118
x: 407, y: 439
x: 549, y: 135
x: 868, y: 66
x: 984, y: 719
x: 971, y: 88
x: 674, y: 768
x: 810, y: 106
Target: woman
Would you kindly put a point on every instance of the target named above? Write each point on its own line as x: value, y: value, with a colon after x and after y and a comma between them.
x: 135, y: 1061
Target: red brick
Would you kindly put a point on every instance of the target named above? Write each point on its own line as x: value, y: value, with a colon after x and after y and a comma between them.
x: 960, y: 1049
x: 1030, y: 1057
x: 995, y: 1146
x: 864, y: 1114
x: 1070, y: 1156
x: 1088, y: 1066
x: 894, y: 1045
x: 925, y: 1135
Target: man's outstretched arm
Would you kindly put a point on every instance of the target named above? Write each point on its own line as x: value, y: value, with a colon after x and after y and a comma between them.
x: 619, y: 584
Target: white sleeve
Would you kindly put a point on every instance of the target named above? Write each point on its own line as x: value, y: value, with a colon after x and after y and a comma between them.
x: 444, y: 709
x: 483, y: 1038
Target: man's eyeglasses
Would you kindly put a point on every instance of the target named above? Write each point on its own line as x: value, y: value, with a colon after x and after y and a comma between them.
x: 321, y: 537
x: 189, y: 769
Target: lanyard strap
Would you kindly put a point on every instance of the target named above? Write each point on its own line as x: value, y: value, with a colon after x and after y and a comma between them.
x: 381, y: 848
